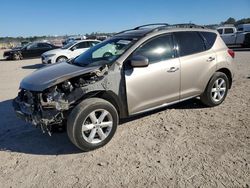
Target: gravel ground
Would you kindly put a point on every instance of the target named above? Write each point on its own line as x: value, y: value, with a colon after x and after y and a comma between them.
x: 185, y: 145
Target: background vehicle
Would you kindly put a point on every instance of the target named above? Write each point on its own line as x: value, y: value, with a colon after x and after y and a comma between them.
x: 30, y: 50
x: 68, y: 51
x: 149, y: 68
x: 73, y: 39
x: 233, y: 36
x: 22, y: 44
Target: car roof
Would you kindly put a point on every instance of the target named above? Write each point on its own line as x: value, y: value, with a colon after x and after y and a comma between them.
x: 86, y: 40
x: 223, y: 27
x: 139, y: 33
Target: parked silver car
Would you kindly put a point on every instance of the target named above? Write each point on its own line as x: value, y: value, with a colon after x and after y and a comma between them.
x: 233, y: 36
x: 135, y: 71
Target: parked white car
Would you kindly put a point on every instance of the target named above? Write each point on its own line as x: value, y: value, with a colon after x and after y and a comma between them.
x: 68, y: 51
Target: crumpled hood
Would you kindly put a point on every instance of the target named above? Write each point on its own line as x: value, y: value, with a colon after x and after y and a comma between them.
x: 52, y: 75
x: 11, y: 51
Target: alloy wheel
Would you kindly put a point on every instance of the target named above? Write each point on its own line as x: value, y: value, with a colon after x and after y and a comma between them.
x: 97, y: 126
x: 218, y: 90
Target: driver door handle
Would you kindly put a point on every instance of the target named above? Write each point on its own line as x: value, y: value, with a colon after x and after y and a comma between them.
x: 173, y: 69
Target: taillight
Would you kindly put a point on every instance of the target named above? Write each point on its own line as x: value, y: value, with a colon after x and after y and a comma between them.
x: 231, y: 53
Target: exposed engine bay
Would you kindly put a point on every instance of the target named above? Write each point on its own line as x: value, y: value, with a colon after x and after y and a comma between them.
x: 51, y: 106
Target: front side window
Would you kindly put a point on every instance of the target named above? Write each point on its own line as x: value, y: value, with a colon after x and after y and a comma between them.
x: 157, y: 49
x: 104, y: 53
x: 228, y: 31
x: 240, y: 29
x: 189, y: 42
x: 32, y: 46
x: 68, y: 45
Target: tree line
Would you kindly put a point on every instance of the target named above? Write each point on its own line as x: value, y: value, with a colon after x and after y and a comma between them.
x: 235, y: 22
x: 230, y: 20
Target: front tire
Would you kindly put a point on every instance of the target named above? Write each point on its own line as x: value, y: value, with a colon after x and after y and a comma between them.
x: 92, y: 124
x: 61, y: 59
x: 216, y: 90
x: 17, y: 56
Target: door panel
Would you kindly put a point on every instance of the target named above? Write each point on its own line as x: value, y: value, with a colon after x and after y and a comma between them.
x: 77, y: 52
x: 159, y: 82
x: 228, y: 36
x: 79, y: 48
x: 152, y: 86
x: 197, y: 62
x: 196, y: 71
x: 31, y: 51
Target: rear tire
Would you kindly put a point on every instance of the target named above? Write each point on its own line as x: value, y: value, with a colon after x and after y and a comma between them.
x: 216, y: 90
x: 92, y: 124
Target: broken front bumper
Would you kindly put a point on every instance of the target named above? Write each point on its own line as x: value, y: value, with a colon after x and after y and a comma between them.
x: 43, y: 118
x: 18, y: 111
x: 26, y: 112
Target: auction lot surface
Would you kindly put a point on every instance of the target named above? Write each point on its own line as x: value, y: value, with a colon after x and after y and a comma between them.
x: 183, y: 145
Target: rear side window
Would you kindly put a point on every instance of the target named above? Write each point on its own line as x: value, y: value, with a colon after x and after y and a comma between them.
x: 189, y: 43
x: 43, y: 45
x: 157, y: 49
x: 82, y: 45
x: 210, y: 38
x: 228, y: 31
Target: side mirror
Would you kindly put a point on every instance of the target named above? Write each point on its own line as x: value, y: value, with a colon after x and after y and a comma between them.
x: 139, y: 61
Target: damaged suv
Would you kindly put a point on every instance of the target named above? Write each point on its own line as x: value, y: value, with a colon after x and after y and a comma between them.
x: 135, y: 71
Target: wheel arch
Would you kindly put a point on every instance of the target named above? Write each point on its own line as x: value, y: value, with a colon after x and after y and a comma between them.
x: 60, y: 56
x: 111, y: 97
x: 228, y: 73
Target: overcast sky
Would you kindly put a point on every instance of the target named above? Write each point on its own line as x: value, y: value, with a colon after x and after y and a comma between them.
x: 58, y: 17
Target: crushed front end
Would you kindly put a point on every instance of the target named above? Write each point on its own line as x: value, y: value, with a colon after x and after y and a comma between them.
x: 38, y: 109
x: 51, y: 106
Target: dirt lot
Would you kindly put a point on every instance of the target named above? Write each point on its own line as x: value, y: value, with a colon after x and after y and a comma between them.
x: 185, y: 145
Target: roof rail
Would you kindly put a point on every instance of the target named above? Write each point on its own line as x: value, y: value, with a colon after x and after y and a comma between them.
x: 163, y: 26
x: 187, y: 25
x: 155, y: 24
x: 141, y: 26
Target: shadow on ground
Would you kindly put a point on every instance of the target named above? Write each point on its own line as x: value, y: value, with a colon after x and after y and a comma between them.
x: 18, y: 136
x: 35, y: 66
x: 189, y: 104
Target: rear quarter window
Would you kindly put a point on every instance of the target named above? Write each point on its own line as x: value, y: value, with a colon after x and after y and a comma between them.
x: 210, y: 38
x: 189, y: 42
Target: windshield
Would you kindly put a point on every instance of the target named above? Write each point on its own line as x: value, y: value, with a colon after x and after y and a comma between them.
x: 105, y: 52
x: 68, y: 45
